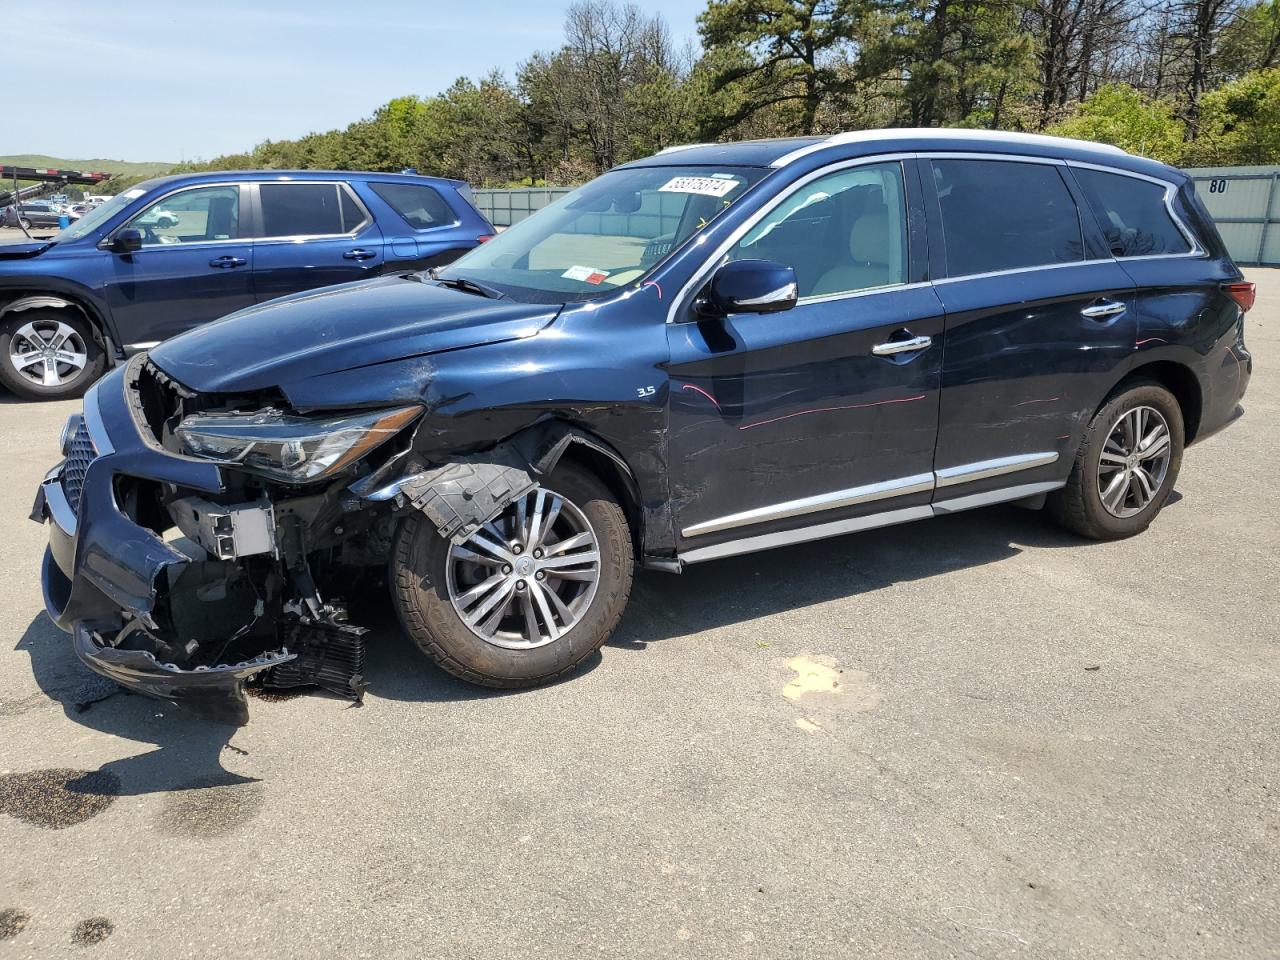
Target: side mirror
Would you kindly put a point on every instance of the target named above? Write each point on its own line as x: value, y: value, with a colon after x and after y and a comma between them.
x: 128, y: 240
x: 750, y: 286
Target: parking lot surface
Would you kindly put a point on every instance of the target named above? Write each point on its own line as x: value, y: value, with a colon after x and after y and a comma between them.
x: 15, y: 235
x: 972, y: 737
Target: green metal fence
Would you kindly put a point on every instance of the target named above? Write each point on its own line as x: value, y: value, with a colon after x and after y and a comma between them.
x: 505, y: 207
x: 1245, y: 203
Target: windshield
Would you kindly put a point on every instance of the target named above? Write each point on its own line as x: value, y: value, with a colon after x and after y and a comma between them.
x: 604, y: 236
x: 99, y: 215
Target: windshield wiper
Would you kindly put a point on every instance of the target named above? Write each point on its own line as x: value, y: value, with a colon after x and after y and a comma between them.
x: 467, y: 286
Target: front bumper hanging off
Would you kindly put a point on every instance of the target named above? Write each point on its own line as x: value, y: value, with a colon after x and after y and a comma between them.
x: 132, y: 601
x: 213, y: 693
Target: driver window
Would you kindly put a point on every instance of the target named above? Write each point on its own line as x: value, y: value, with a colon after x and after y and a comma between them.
x: 192, y: 216
x: 841, y: 233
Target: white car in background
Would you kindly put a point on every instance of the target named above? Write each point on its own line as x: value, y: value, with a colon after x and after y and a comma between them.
x: 159, y: 217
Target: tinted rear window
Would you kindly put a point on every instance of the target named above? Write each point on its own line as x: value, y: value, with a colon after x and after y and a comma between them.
x: 307, y: 209
x: 1003, y: 215
x: 418, y: 204
x: 1132, y: 214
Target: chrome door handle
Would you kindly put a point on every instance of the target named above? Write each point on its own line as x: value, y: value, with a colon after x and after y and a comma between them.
x: 892, y: 347
x: 1103, y: 309
x: 226, y: 263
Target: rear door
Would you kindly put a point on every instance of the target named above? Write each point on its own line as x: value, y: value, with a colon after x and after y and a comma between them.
x: 194, y: 266
x: 311, y: 234
x: 420, y: 228
x: 1038, y: 318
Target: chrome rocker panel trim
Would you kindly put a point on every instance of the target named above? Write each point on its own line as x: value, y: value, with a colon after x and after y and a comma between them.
x: 919, y: 483
x: 768, y: 541
x: 824, y: 501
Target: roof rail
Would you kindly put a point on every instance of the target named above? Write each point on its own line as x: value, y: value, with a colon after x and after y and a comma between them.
x: 682, y: 146
x: 943, y: 133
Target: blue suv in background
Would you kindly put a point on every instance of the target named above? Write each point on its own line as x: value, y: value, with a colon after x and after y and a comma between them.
x: 177, y: 252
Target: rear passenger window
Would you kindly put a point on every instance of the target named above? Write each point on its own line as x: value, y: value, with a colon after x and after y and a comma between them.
x: 307, y: 210
x: 418, y: 204
x: 1003, y: 215
x: 1132, y: 214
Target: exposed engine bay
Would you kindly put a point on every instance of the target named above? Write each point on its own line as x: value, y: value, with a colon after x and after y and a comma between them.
x: 268, y: 561
x: 259, y: 572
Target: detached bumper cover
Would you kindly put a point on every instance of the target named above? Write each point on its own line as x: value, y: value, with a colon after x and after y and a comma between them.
x: 212, y: 693
x: 103, y: 572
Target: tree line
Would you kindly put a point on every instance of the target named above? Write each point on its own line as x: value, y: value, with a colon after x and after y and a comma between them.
x: 1189, y: 82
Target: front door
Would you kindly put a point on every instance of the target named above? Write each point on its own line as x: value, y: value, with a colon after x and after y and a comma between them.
x: 824, y: 413
x: 194, y: 266
x: 312, y: 235
x: 1039, y: 319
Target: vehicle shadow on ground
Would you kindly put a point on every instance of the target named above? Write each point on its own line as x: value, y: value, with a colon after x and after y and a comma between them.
x: 741, y: 589
x: 705, y: 597
x: 189, y: 751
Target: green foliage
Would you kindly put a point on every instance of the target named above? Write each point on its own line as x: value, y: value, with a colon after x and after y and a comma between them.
x: 1252, y: 41
x: 1122, y: 116
x: 129, y: 168
x: 781, y: 57
x: 1240, y: 122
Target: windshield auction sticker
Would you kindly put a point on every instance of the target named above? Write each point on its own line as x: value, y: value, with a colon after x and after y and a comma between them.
x: 703, y: 186
x: 585, y: 274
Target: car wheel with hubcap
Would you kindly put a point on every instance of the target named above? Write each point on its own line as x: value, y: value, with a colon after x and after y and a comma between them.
x: 528, y: 596
x: 1126, y: 466
x: 48, y: 354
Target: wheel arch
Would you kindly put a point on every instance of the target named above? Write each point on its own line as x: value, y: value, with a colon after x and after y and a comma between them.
x: 599, y: 458
x: 1181, y: 381
x: 59, y: 301
x: 460, y: 493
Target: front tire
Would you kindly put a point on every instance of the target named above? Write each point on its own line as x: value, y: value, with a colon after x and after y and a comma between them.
x: 527, y: 597
x: 1126, y: 466
x: 49, y: 354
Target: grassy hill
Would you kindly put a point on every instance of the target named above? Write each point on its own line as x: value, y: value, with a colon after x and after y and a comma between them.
x: 126, y: 167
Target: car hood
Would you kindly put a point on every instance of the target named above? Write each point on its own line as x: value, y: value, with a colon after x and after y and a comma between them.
x: 339, y: 328
x: 24, y: 250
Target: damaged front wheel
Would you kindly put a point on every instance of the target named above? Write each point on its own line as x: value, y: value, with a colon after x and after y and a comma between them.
x: 529, y: 595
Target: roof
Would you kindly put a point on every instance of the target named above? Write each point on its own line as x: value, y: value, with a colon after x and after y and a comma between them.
x: 206, y: 176
x: 784, y: 152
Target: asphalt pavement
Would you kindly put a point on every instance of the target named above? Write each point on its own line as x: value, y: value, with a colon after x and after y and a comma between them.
x: 971, y: 737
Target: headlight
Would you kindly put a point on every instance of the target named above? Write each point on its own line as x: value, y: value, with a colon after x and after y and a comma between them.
x: 288, y: 447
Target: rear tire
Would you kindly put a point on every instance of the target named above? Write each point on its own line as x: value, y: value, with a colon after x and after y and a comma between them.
x: 531, y: 643
x: 76, y: 363
x: 1126, y: 466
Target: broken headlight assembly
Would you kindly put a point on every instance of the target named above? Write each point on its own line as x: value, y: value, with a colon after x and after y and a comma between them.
x: 288, y: 447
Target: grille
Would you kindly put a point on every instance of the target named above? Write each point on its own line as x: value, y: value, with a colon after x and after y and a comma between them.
x: 79, y: 456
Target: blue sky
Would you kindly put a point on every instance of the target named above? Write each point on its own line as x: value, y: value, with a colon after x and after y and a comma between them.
x: 145, y: 80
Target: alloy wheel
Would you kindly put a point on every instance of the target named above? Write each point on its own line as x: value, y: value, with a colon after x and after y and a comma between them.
x: 528, y: 576
x: 49, y: 353
x: 1134, y: 461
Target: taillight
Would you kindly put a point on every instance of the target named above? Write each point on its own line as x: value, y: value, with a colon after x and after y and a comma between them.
x: 486, y: 237
x: 1243, y: 293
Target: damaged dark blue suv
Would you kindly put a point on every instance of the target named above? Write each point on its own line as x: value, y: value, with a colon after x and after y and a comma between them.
x: 717, y: 350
